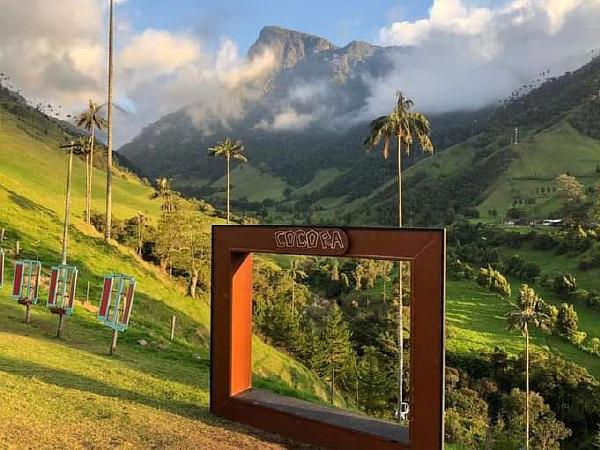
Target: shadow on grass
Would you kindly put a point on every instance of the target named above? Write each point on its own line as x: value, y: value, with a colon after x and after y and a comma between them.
x: 68, y: 380
x: 29, y: 205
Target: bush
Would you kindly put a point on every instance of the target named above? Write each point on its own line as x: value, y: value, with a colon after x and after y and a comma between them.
x: 564, y: 284
x: 525, y: 271
x: 459, y: 270
x: 568, y: 321
x: 544, y: 241
x: 494, y: 281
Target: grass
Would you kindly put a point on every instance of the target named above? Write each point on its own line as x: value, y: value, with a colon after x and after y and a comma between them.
x: 477, y: 325
x: 66, y: 392
x: 252, y: 183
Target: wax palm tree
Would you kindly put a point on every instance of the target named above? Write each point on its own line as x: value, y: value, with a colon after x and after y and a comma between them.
x: 525, y: 315
x: 403, y: 125
x: 142, y: 222
x: 90, y: 120
x: 109, y: 103
x: 230, y: 150
x: 294, y: 274
x: 165, y: 192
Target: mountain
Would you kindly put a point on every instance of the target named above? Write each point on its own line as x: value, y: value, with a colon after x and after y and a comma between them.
x: 304, y: 135
x: 288, y: 46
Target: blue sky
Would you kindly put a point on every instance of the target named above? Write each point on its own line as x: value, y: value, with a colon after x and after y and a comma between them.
x: 340, y: 21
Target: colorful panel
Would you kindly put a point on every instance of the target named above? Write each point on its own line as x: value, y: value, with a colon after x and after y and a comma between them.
x: 18, y: 281
x: 52, y: 289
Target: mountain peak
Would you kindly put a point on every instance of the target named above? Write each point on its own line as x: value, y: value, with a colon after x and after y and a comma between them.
x: 289, y: 46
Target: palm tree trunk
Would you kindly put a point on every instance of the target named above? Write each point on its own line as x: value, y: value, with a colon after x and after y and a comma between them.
x: 293, y: 296
x: 228, y: 188
x: 90, y: 178
x: 109, y: 154
x: 87, y: 188
x: 65, y: 242
x: 400, y: 330
x: 526, y: 387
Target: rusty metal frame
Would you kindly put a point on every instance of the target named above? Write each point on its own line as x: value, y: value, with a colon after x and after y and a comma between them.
x: 231, y: 334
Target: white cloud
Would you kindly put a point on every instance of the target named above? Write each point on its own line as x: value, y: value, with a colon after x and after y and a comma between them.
x: 56, y: 52
x: 465, y: 56
x: 289, y: 119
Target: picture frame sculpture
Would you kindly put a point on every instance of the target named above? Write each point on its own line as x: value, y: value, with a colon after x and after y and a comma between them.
x: 232, y: 395
x: 61, y: 293
x: 26, y: 284
x: 118, y: 292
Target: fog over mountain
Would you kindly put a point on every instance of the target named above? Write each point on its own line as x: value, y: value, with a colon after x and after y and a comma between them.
x: 462, y: 55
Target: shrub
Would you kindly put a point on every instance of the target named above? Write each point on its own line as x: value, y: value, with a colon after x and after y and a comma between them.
x: 565, y: 284
x: 568, y: 322
x: 494, y: 281
x: 459, y: 270
x: 544, y: 241
x: 525, y: 271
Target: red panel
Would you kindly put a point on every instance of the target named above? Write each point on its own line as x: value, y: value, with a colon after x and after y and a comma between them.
x: 72, y: 291
x: 52, y: 291
x: 128, y: 304
x: 18, y: 279
x: 105, y: 297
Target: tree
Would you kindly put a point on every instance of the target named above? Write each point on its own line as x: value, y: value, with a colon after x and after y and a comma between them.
x: 90, y: 120
x: 525, y: 315
x: 374, y: 385
x: 293, y: 274
x: 494, y: 281
x: 568, y: 322
x: 165, y: 192
x: 229, y: 150
x: 142, y: 221
x: 574, y: 193
x: 403, y: 125
x: 596, y: 439
x: 546, y: 430
x: 336, y: 350
x: 109, y: 103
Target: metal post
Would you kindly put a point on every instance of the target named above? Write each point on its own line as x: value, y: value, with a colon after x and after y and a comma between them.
x: 67, y: 207
x: 113, y: 345
x: 27, y: 313
x: 87, y: 293
x: 60, y: 324
x: 173, y: 320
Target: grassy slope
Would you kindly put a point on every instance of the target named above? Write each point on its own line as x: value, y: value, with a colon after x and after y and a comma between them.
x: 541, y: 158
x: 106, y: 401
x: 477, y: 324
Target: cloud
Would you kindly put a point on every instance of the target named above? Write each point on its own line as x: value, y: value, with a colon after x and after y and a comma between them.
x: 289, y: 119
x: 56, y: 52
x: 463, y: 56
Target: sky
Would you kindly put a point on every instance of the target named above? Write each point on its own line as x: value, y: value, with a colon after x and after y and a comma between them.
x: 340, y: 21
x: 171, y: 54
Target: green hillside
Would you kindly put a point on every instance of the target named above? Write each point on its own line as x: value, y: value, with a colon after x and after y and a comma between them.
x: 97, y: 401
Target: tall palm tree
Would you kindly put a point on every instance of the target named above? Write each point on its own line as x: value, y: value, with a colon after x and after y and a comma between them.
x: 525, y: 315
x: 109, y: 103
x: 230, y: 150
x: 90, y: 120
x: 142, y: 222
x: 295, y: 273
x: 403, y: 125
x: 165, y: 192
